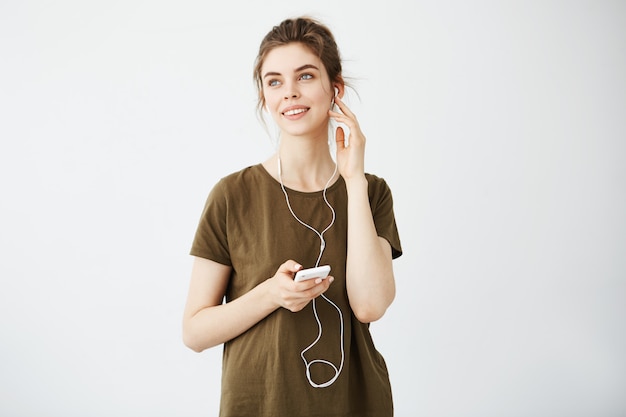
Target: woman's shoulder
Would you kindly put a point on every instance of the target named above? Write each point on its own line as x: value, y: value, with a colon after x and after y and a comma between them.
x: 378, y: 189
x: 376, y: 182
x: 250, y: 177
x: 244, y: 174
x: 373, y: 178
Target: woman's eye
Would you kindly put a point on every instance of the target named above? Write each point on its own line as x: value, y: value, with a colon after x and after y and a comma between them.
x: 273, y: 83
x: 306, y: 76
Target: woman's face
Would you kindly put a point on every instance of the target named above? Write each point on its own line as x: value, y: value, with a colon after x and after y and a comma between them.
x: 297, y: 90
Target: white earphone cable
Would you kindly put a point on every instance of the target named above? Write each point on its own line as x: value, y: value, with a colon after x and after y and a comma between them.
x: 317, y: 319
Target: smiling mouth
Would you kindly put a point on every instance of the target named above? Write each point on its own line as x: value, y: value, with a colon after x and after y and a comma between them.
x: 293, y: 112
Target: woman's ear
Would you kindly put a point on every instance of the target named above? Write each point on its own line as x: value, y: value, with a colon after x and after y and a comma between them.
x: 339, y: 89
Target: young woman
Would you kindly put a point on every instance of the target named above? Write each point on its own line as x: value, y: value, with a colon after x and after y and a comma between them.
x: 288, y: 351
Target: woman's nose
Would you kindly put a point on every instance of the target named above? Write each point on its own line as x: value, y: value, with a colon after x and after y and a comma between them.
x: 291, y: 92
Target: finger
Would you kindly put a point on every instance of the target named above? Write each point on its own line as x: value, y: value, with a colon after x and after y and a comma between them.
x: 351, y: 123
x: 329, y: 280
x: 323, y: 286
x: 315, y: 289
x: 290, y: 267
x: 340, y: 138
x: 342, y: 106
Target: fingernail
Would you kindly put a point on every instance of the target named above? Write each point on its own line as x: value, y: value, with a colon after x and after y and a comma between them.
x: 331, y: 279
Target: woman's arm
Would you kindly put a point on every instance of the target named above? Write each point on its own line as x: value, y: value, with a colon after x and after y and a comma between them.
x: 208, y: 322
x: 369, y: 271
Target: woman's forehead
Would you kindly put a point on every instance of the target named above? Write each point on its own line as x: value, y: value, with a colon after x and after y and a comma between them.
x: 290, y: 57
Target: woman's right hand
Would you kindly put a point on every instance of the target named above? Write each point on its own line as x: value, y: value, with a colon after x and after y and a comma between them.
x: 294, y: 296
x: 208, y: 322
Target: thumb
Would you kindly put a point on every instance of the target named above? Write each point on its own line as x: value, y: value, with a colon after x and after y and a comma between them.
x: 290, y: 267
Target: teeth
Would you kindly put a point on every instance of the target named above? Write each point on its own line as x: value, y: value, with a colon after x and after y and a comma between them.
x: 294, y: 112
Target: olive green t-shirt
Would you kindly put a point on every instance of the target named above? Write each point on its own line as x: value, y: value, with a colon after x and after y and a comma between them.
x: 247, y: 225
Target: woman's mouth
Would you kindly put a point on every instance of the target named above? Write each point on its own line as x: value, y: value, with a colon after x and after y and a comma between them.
x: 295, y: 111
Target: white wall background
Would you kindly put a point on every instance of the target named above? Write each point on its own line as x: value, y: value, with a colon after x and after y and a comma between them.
x: 500, y: 127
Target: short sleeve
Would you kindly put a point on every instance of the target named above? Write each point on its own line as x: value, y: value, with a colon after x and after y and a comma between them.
x: 211, y: 238
x: 381, y: 202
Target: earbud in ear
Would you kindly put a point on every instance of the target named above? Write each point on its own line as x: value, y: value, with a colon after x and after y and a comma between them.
x: 332, y: 101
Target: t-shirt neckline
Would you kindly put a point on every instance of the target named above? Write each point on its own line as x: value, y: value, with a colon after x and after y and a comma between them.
x: 316, y: 194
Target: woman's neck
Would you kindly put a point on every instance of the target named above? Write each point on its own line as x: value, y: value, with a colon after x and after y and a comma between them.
x: 304, y: 165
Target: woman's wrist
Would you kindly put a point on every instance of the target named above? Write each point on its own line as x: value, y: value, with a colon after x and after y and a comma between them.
x: 267, y: 297
x: 358, y: 183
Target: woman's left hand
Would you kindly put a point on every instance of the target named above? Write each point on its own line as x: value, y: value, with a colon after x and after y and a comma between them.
x: 350, y: 155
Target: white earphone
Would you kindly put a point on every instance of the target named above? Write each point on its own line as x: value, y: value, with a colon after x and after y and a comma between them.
x: 320, y: 235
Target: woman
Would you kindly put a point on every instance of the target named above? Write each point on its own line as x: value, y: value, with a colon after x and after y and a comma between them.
x: 286, y: 351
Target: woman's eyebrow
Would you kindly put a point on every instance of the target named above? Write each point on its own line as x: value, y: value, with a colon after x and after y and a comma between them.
x: 306, y: 66
x: 302, y: 68
x: 271, y: 74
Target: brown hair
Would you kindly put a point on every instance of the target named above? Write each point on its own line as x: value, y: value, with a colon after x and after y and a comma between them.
x: 309, y: 32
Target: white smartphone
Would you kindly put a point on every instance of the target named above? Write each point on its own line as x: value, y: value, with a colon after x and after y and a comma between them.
x: 312, y: 273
